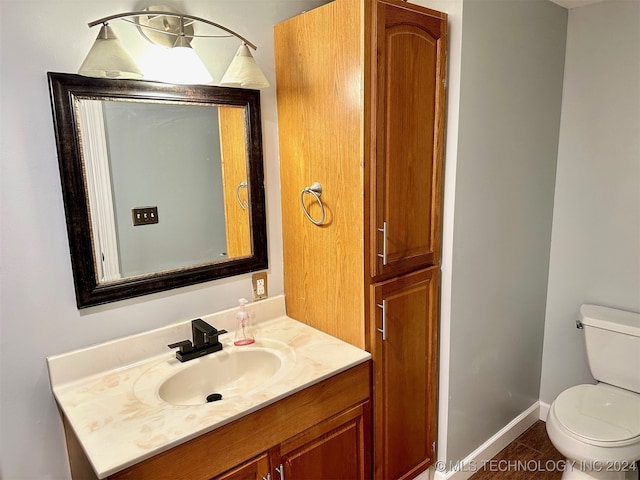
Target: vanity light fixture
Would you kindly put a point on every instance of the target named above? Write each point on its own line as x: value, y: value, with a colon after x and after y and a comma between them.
x: 244, y: 71
x: 108, y: 58
x: 173, y: 30
x: 185, y: 65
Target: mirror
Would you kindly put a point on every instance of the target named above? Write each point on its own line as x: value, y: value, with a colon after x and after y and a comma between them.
x: 162, y: 184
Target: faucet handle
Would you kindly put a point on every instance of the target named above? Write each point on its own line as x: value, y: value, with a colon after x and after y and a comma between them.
x: 185, y: 346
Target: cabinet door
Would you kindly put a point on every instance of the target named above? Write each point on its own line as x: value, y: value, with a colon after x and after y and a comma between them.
x: 408, y: 136
x: 320, y: 125
x: 234, y: 181
x: 336, y: 449
x: 404, y: 350
x: 257, y: 469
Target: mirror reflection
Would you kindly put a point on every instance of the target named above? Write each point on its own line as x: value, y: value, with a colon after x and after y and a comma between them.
x: 167, y: 185
x: 163, y: 184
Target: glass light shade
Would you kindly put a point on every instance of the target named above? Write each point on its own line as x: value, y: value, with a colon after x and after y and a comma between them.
x: 108, y: 58
x: 179, y: 64
x: 186, y: 67
x: 244, y: 71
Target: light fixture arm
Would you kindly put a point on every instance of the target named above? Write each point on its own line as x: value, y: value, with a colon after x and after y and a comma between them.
x: 181, y: 16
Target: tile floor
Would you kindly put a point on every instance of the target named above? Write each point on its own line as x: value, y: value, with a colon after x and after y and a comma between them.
x: 531, y: 456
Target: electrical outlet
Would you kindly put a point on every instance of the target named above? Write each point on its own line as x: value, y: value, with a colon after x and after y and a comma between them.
x: 259, y: 281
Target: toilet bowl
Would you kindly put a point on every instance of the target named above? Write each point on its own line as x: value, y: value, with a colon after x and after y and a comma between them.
x: 597, y: 427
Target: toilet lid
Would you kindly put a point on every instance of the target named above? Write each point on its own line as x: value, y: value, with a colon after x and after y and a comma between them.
x: 599, y: 413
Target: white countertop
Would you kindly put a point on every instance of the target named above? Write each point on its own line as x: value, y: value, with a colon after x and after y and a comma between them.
x: 106, y: 394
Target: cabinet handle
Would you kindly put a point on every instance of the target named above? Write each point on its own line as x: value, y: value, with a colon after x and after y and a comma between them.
x: 268, y: 477
x: 383, y: 255
x: 280, y: 470
x: 383, y: 330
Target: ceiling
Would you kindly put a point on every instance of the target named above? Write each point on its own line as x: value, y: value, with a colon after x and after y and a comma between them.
x: 575, y: 3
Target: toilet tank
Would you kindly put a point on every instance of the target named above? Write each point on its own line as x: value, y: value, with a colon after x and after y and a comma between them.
x: 612, y: 338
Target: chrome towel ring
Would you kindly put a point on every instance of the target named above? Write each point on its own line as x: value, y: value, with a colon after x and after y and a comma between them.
x: 242, y: 203
x: 316, y: 190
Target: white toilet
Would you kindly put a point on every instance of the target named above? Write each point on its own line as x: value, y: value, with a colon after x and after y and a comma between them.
x: 597, y: 427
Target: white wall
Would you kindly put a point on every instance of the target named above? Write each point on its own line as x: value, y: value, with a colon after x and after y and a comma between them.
x: 595, y: 246
x: 38, y: 316
x: 510, y: 96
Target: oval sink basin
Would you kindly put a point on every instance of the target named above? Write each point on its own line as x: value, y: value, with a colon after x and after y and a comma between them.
x: 229, y: 373
x: 225, y: 373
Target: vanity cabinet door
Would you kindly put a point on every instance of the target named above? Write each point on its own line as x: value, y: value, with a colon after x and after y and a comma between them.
x: 258, y: 468
x: 406, y: 174
x: 404, y: 349
x: 336, y: 449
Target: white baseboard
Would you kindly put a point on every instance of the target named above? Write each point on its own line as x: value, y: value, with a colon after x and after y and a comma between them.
x: 544, y: 411
x: 491, y: 447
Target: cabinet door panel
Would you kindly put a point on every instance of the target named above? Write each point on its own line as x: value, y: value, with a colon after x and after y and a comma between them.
x: 409, y: 135
x: 337, y: 449
x: 320, y: 125
x: 257, y: 469
x: 234, y: 174
x: 405, y: 373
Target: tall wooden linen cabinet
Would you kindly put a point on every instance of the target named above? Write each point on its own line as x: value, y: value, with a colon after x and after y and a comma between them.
x: 361, y: 97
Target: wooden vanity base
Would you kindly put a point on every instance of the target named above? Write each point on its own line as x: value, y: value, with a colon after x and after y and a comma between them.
x: 297, y: 432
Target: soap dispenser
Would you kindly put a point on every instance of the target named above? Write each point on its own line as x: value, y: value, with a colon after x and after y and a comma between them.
x: 244, y: 335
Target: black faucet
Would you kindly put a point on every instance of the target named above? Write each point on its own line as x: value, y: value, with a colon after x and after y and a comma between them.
x: 205, y: 341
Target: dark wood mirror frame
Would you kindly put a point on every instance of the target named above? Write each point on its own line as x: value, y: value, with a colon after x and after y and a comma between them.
x: 64, y: 88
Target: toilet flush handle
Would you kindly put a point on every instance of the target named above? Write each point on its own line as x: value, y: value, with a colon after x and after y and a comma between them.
x: 579, y: 325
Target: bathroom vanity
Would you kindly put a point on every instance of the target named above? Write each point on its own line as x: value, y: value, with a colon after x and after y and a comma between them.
x: 300, y: 407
